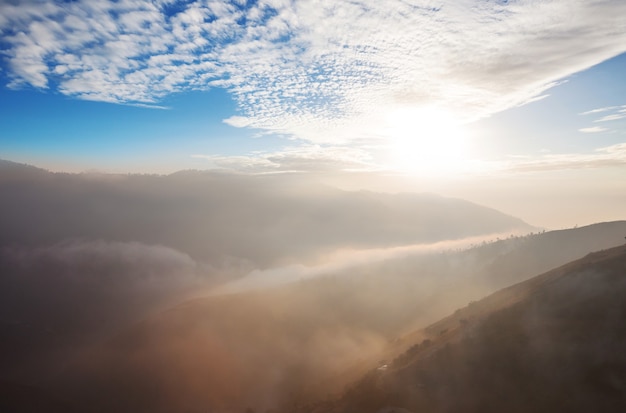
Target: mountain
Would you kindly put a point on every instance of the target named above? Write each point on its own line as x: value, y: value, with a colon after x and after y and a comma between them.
x: 298, y: 342
x: 546, y: 250
x: 262, y: 221
x: 97, y: 270
x: 554, y: 343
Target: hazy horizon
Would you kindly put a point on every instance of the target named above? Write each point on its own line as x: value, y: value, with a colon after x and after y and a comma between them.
x: 525, y: 115
x: 549, y: 202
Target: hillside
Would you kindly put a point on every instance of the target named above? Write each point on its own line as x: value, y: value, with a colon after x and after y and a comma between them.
x: 547, y: 250
x: 554, y: 343
x: 314, y: 336
x: 97, y: 272
x: 296, y: 343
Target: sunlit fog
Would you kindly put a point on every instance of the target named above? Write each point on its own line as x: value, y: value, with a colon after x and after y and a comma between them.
x: 312, y: 206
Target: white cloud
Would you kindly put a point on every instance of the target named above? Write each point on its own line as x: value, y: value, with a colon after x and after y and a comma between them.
x: 600, y: 110
x: 303, y: 158
x: 320, y: 70
x: 148, y: 106
x: 322, y: 159
x: 238, y: 121
x: 614, y: 116
x: 609, y: 114
x: 594, y: 129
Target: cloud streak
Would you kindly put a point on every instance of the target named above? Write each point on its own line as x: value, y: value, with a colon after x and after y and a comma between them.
x: 593, y: 129
x: 607, y: 116
x: 303, y: 158
x: 610, y: 156
x: 318, y: 70
x: 316, y: 159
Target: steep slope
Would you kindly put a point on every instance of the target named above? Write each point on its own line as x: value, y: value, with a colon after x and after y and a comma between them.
x: 554, y: 343
x: 547, y: 250
x: 331, y: 329
x: 290, y: 344
x: 262, y: 348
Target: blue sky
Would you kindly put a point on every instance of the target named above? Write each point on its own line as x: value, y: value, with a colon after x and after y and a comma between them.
x: 559, y: 122
x: 424, y: 89
x: 48, y: 127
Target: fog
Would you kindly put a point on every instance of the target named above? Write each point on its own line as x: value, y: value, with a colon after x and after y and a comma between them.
x: 216, y: 291
x: 344, y: 259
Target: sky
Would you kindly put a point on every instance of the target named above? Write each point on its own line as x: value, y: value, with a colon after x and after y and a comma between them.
x: 518, y: 105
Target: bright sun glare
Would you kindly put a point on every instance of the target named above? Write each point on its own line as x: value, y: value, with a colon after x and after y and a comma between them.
x: 426, y: 141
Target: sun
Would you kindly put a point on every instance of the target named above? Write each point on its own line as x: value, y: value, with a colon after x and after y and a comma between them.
x: 426, y: 141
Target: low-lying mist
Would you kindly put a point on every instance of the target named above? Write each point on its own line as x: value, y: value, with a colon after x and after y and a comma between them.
x: 342, y: 260
x: 205, y: 291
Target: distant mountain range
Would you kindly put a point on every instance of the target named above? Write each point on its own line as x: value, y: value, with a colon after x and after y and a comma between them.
x: 262, y: 220
x: 97, y: 270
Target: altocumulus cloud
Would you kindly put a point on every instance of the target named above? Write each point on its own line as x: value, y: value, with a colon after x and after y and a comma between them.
x: 319, y: 70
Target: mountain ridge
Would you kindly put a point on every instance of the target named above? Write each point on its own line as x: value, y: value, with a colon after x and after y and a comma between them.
x: 525, y: 317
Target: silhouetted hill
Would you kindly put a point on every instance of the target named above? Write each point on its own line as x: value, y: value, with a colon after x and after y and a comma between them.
x: 212, y: 216
x: 547, y: 250
x: 331, y: 329
x: 295, y: 343
x: 86, y: 257
x: 554, y: 343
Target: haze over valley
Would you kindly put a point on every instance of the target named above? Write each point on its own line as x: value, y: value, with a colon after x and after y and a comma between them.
x: 116, y: 288
x: 312, y: 206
